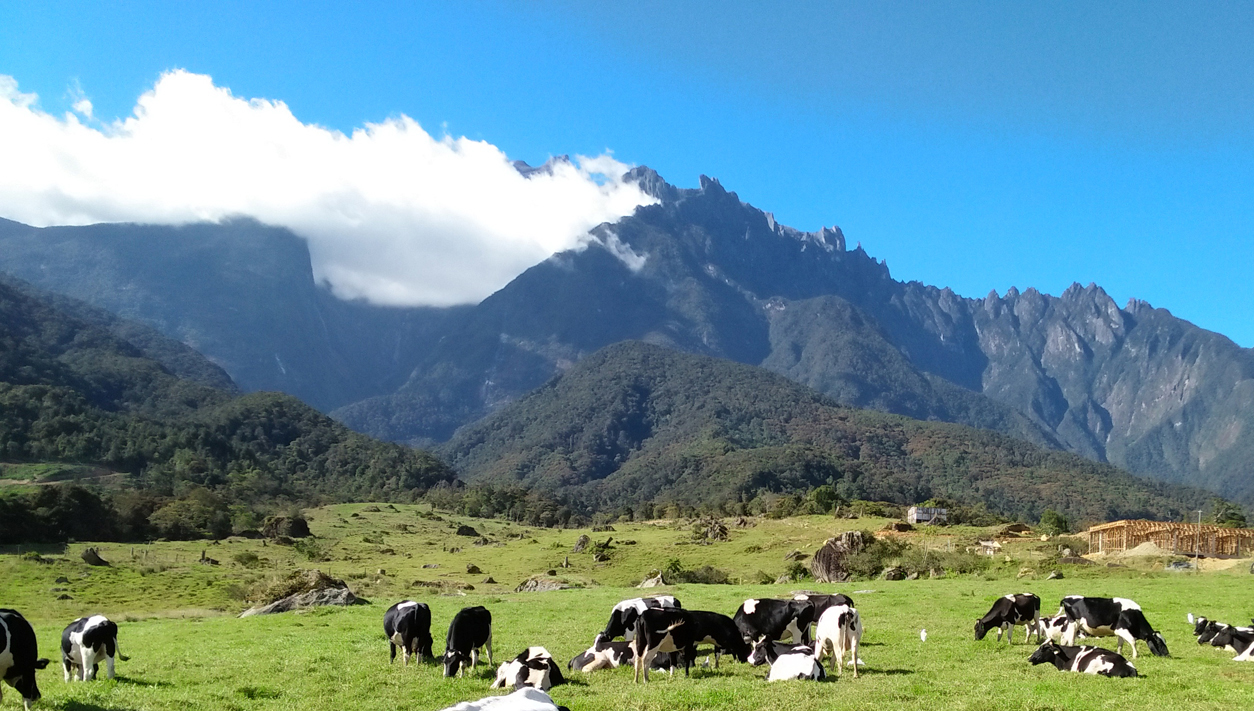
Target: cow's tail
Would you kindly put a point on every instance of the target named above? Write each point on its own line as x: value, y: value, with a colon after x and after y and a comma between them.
x: 117, y: 647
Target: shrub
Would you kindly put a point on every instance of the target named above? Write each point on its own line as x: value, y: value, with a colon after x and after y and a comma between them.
x: 312, y: 549
x: 248, y: 559
x: 1053, y: 523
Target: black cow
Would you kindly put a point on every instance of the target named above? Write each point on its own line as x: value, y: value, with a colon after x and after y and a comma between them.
x: 660, y: 632
x: 822, y: 601
x: 604, y: 654
x: 534, y: 667
x: 622, y: 621
x: 765, y: 651
x: 773, y: 619
x: 1008, y: 611
x: 407, y: 625
x: 18, y: 652
x: 720, y: 631
x: 1085, y: 660
x: 84, y: 642
x: 1105, y: 616
x: 470, y: 630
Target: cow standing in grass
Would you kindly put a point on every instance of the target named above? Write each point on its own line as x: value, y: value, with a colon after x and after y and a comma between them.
x: 661, y: 632
x: 1104, y: 617
x: 775, y: 619
x: 407, y: 625
x: 840, y: 630
x: 470, y: 631
x: 622, y: 622
x: 18, y: 656
x: 1008, y: 611
x: 85, y: 642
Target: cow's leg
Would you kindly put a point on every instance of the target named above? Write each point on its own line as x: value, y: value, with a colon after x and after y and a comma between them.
x: 392, y: 650
x: 1069, y: 631
x: 474, y: 658
x: 109, y: 666
x: 83, y: 652
x: 488, y: 645
x: 1010, y: 633
x: 67, y: 665
x: 1125, y: 635
x: 853, y: 644
x: 1036, y: 625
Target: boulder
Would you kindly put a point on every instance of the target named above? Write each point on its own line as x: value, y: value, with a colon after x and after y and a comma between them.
x: 488, y: 581
x: 64, y: 597
x: 472, y: 569
x: 796, y: 555
x: 898, y: 527
x: 61, y: 579
x: 465, y: 530
x: 1015, y: 528
x: 430, y: 566
x: 537, y: 583
x: 581, y: 544
x: 828, y: 564
x: 276, y: 527
x: 1076, y: 560
x: 91, y: 557
x: 302, y: 601
x: 654, y: 582
x: 894, y: 573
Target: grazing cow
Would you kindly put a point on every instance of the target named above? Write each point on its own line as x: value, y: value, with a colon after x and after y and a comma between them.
x: 1104, y: 616
x: 470, y: 630
x: 524, y: 699
x: 840, y: 630
x: 407, y: 625
x: 1008, y: 611
x: 720, y: 631
x: 18, y: 652
x: 660, y: 632
x: 84, y: 642
x: 788, y: 661
x: 1085, y: 660
x: 604, y: 654
x: 534, y: 667
x: 623, y: 617
x: 774, y: 619
x: 1052, y: 629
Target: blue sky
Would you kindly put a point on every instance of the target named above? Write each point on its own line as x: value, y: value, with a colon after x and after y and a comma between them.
x: 971, y: 145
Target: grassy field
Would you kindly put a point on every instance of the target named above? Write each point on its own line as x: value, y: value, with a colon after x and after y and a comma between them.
x: 189, y: 651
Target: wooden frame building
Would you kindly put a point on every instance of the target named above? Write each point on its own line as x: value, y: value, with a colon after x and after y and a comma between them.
x: 1181, y: 538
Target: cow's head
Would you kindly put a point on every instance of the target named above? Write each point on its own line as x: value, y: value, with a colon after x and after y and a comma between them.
x: 454, y: 661
x: 1157, y: 645
x: 980, y: 630
x: 761, y: 652
x: 25, y: 684
x: 1045, y: 654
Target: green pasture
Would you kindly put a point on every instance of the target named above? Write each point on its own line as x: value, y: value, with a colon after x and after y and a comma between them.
x: 188, y: 650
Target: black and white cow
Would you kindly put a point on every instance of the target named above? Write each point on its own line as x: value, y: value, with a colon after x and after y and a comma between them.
x: 1008, y: 611
x: 721, y: 632
x: 470, y: 630
x: 1085, y: 660
x: 774, y: 619
x: 660, y: 632
x: 622, y: 621
x: 840, y: 630
x: 822, y: 601
x: 1052, y: 629
x: 18, y: 656
x: 534, y: 667
x: 1105, y: 616
x: 1235, y: 639
x: 788, y: 661
x: 85, y: 642
x: 604, y: 654
x: 407, y: 625
x: 525, y: 699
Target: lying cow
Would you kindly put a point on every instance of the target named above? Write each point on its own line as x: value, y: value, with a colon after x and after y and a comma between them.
x: 407, y: 625
x: 84, y: 643
x: 1085, y: 660
x: 1103, y: 617
x: 622, y: 621
x: 470, y: 631
x: 1235, y: 639
x: 534, y: 667
x: 604, y: 654
x: 525, y: 699
x: 788, y: 661
x: 1009, y: 611
x: 18, y: 656
x: 774, y: 620
x: 840, y: 631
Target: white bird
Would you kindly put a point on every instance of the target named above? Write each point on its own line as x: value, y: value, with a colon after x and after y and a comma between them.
x: 1190, y: 618
x: 923, y: 635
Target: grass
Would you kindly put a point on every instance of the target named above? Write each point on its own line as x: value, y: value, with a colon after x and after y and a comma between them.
x: 188, y: 651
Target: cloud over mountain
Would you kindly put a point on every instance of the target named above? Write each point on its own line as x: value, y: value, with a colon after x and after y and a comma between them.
x: 392, y: 213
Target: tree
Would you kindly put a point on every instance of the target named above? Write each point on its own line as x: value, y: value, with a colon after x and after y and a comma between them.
x: 1227, y: 514
x: 1053, y: 523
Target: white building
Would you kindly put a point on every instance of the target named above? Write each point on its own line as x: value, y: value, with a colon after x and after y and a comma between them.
x: 924, y: 514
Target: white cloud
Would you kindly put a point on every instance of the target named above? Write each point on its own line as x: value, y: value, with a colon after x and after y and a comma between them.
x: 391, y: 213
